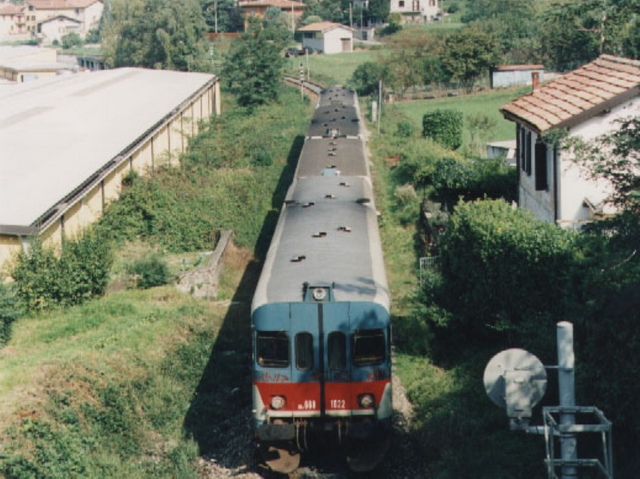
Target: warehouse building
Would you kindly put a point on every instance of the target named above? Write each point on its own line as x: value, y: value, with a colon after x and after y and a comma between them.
x: 66, y: 142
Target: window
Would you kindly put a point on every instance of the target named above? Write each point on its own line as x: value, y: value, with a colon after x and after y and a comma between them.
x: 401, y: 4
x: 304, y: 351
x: 368, y: 347
x: 541, y: 166
x: 272, y: 349
x: 527, y: 153
x: 337, y: 346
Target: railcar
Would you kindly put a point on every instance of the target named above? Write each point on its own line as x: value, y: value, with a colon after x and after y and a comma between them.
x: 320, y: 314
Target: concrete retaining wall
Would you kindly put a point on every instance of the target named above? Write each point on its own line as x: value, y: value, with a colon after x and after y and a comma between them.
x: 203, y: 282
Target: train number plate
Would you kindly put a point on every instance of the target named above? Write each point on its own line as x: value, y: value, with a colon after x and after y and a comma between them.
x: 338, y: 404
x: 308, y: 404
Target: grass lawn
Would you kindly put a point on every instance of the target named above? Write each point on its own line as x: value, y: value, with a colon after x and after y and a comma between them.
x: 331, y: 69
x: 486, y: 102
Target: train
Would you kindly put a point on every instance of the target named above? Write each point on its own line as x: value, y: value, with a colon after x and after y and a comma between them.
x: 320, y: 315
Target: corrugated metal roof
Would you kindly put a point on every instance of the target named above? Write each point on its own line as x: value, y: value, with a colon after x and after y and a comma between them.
x: 56, y: 133
x: 578, y: 95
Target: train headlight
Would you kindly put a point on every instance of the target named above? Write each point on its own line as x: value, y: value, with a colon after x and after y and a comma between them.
x: 366, y: 401
x: 319, y: 294
x: 277, y: 402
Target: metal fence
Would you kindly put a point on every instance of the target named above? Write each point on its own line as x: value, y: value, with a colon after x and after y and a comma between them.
x: 428, y: 262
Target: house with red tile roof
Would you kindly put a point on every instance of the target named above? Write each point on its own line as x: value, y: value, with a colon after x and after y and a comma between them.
x: 12, y: 20
x: 587, y: 103
x: 258, y: 8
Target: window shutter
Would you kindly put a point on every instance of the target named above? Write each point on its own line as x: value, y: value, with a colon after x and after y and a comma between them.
x: 541, y: 166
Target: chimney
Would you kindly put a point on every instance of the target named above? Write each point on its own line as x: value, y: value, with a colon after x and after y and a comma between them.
x: 535, y: 81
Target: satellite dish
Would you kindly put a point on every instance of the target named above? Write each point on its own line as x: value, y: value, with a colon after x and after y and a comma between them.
x: 516, y: 380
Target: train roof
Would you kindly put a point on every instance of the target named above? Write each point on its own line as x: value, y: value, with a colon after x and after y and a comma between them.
x: 345, y: 120
x: 345, y: 156
x: 337, y: 95
x: 327, y: 234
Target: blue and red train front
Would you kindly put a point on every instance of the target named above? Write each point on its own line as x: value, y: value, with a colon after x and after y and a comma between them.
x: 321, y: 369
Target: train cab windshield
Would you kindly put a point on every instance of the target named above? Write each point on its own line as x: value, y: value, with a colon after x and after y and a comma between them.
x: 272, y: 349
x: 368, y: 347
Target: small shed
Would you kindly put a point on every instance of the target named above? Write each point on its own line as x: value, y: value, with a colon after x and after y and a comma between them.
x: 505, y: 149
x: 512, y: 75
x: 327, y: 37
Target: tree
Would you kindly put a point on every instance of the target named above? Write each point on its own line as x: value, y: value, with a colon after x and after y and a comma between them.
x: 367, y: 76
x: 469, y: 54
x: 277, y: 26
x: 222, y: 16
x: 162, y: 34
x: 379, y: 10
x: 576, y: 32
x: 330, y: 10
x: 414, y: 59
x: 253, y: 68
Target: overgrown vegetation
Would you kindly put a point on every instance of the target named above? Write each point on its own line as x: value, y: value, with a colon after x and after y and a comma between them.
x: 504, y: 280
x: 122, y: 386
x: 10, y: 310
x: 444, y: 127
x: 253, y: 66
x: 45, y: 278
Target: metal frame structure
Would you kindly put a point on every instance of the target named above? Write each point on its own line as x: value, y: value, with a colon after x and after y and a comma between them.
x: 553, y: 429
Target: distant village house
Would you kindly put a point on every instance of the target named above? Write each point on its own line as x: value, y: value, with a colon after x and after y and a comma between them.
x: 416, y: 11
x: 12, y: 20
x: 258, y: 8
x: 49, y: 20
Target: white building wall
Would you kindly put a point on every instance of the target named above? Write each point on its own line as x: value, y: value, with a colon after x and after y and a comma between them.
x: 416, y: 11
x: 90, y: 16
x: 8, y: 24
x: 56, y: 28
x: 333, y: 40
x: 574, y: 183
x: 574, y: 186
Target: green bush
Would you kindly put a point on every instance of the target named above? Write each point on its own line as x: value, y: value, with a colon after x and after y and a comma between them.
x: 444, y: 127
x: 502, y: 269
x: 407, y: 204
x: 80, y: 272
x: 150, y: 272
x: 452, y: 178
x: 405, y: 129
x: 9, y: 312
x: 418, y: 160
x: 491, y: 178
x: 183, y: 209
x: 366, y: 77
x: 71, y: 40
